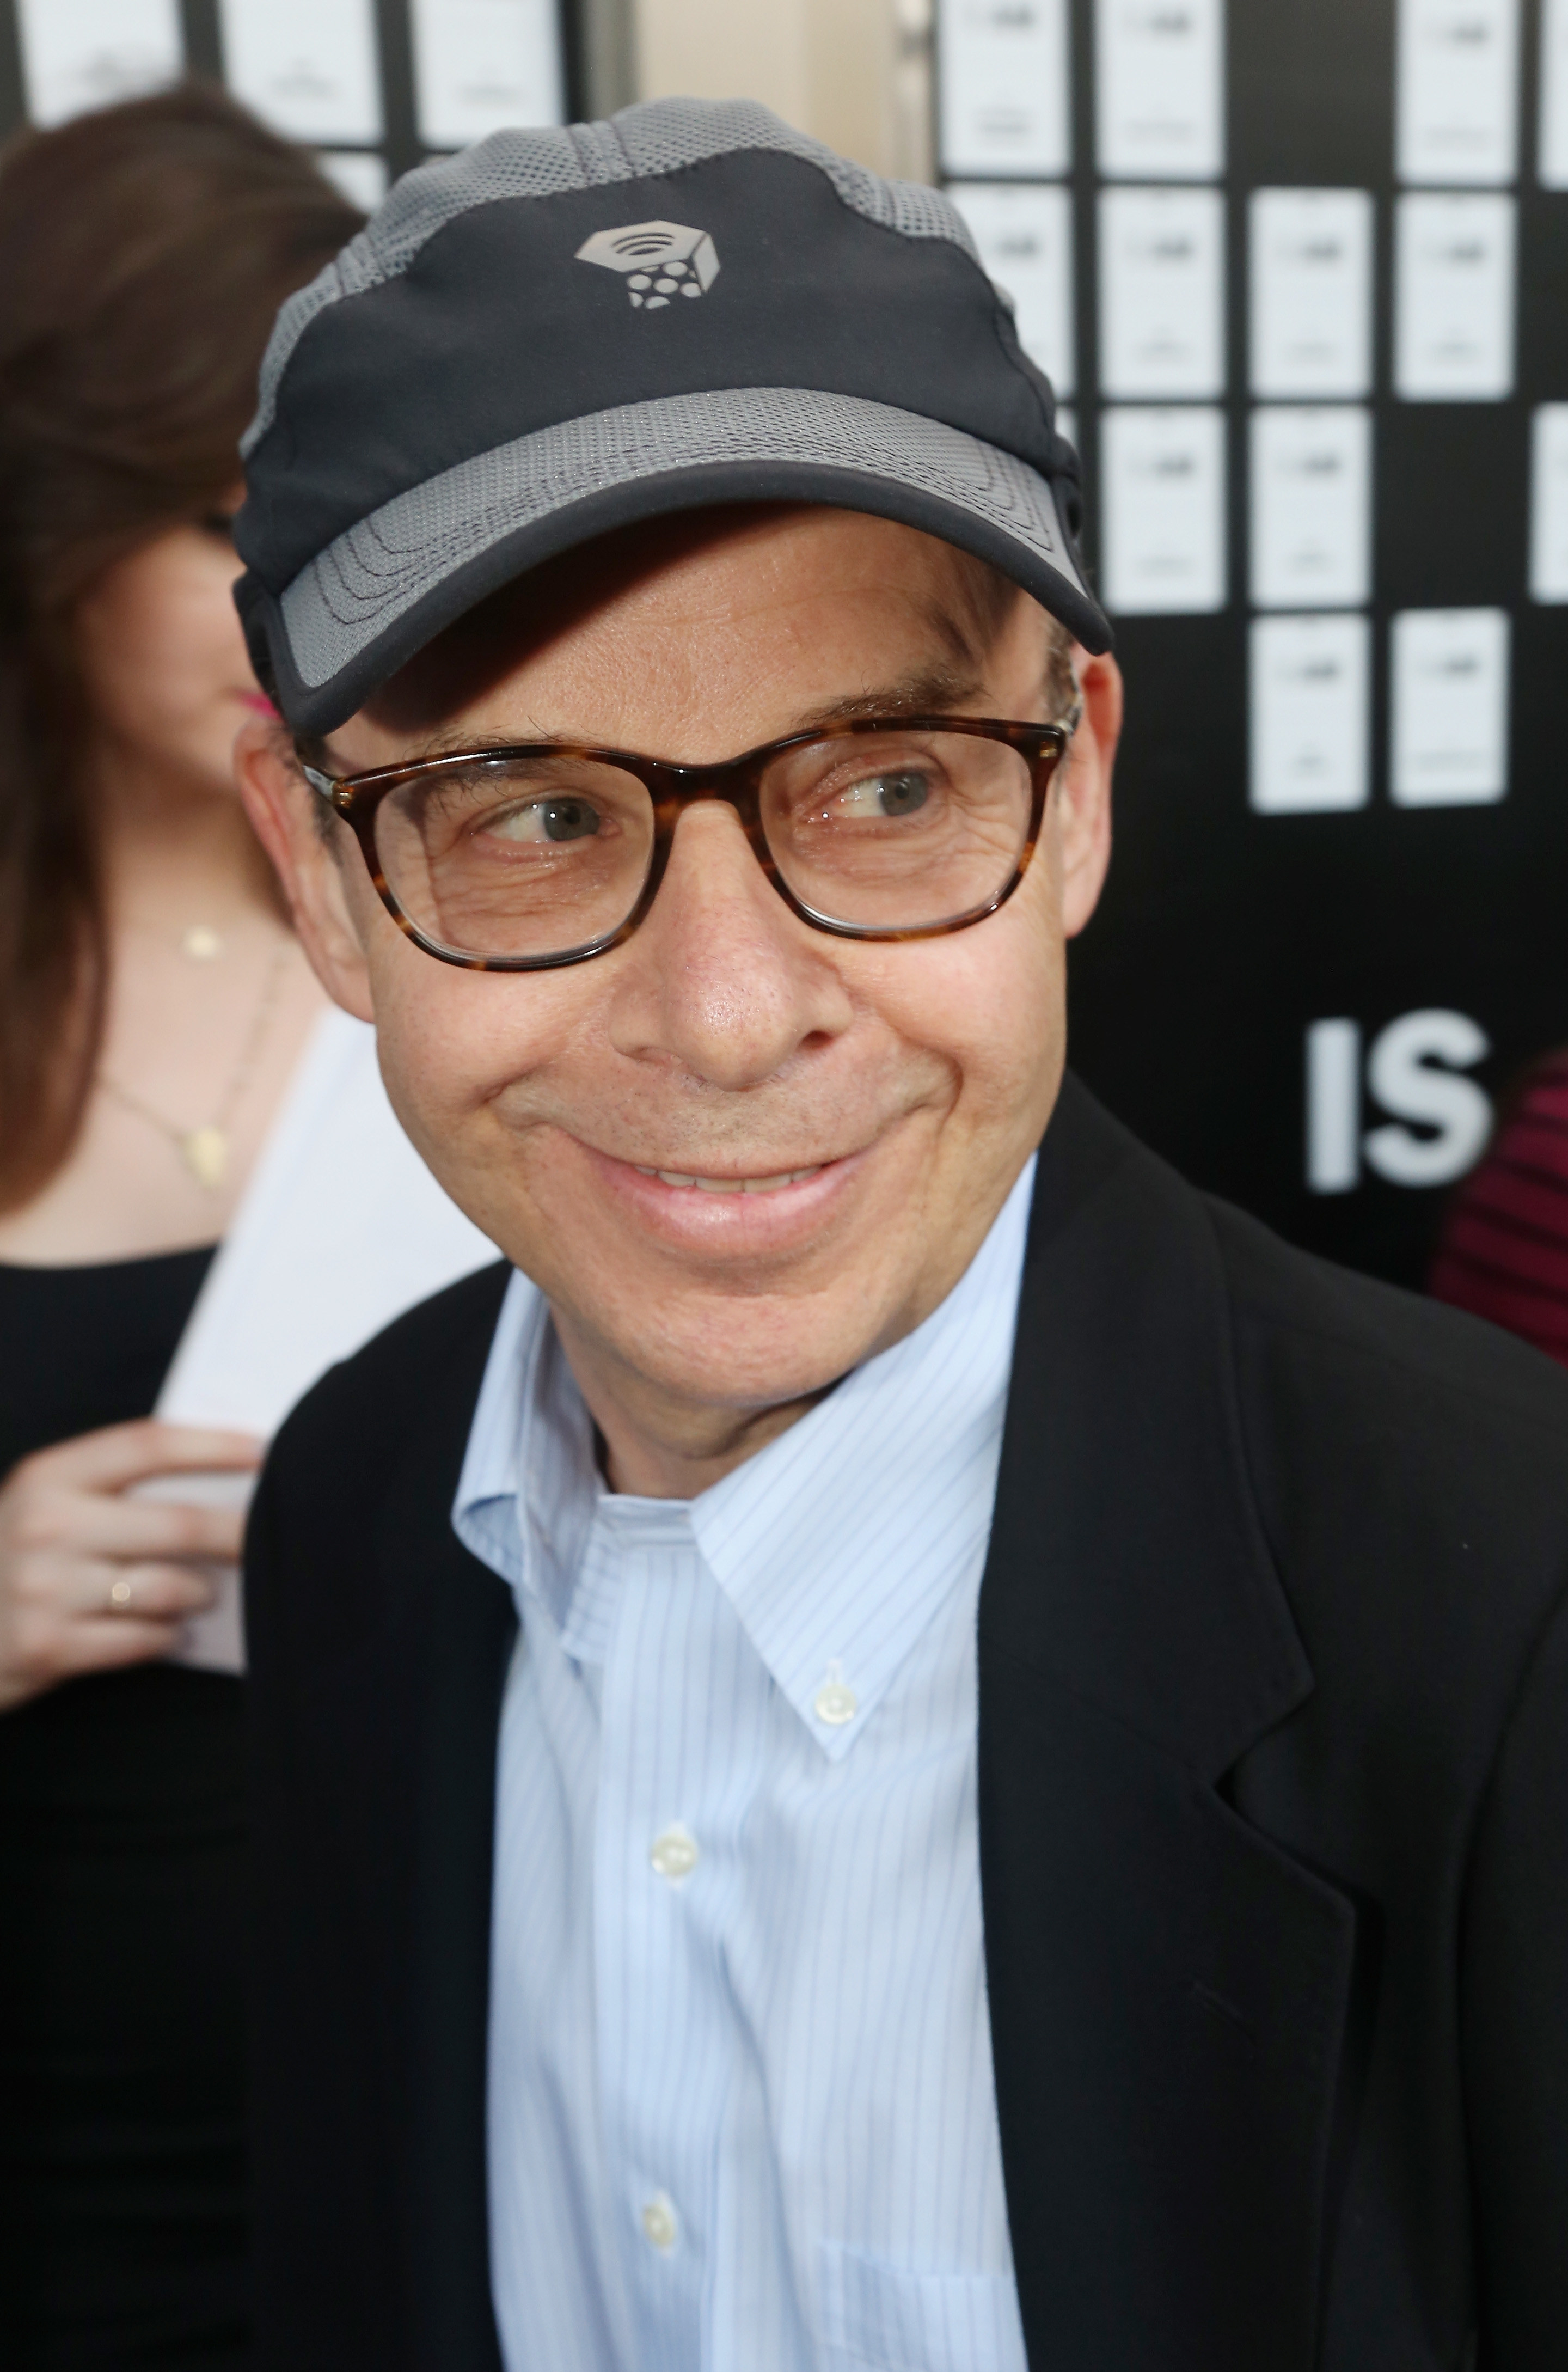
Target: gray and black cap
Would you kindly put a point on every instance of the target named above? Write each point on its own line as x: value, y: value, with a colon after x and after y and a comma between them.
x: 562, y: 331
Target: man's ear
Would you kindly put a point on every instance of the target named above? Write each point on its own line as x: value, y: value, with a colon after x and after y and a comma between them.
x: 1083, y: 788
x: 281, y: 804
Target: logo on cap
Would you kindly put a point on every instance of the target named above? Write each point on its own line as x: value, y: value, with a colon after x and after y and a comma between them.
x: 660, y: 259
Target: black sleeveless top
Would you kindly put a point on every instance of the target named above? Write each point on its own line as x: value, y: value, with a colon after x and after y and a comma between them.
x: 121, y: 2163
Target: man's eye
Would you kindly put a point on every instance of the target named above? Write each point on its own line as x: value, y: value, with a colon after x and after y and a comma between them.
x: 547, y: 820
x: 901, y: 793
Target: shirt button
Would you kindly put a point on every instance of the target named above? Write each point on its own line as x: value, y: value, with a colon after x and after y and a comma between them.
x: 676, y: 1853
x: 661, y: 2225
x: 835, y: 1702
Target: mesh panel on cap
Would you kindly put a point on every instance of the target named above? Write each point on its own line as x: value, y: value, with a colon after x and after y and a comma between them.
x: 295, y: 318
x: 375, y: 572
x: 508, y: 165
x: 676, y: 133
x: 666, y: 136
x: 602, y: 155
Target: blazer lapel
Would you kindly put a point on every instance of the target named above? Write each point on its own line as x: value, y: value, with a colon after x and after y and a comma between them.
x: 1167, y: 1988
x: 405, y: 1739
x: 464, y: 1658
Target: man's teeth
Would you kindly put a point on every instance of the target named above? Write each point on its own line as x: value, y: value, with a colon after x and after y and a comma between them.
x: 732, y: 1185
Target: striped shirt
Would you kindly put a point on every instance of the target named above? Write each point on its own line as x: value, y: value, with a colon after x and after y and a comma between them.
x: 1504, y: 1249
x: 741, y: 2107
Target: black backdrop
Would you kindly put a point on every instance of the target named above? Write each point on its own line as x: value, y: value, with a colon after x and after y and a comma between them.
x: 1227, y: 934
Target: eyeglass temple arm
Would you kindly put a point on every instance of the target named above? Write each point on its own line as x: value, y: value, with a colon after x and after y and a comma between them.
x: 322, y: 784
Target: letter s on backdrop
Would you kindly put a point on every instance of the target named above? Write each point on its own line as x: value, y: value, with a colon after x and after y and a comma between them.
x: 1415, y: 1071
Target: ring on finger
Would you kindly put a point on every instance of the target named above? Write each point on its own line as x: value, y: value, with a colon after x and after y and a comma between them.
x: 119, y: 1596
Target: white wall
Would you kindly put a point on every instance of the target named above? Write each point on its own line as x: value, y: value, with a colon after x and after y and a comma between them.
x: 855, y: 72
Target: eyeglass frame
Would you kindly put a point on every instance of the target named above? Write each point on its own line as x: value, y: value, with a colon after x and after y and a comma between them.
x: 672, y: 789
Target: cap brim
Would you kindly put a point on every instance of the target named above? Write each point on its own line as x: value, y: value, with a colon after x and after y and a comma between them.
x: 385, y: 588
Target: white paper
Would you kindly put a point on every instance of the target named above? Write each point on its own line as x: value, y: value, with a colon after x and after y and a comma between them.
x: 1311, y: 532
x: 1004, y: 86
x: 1164, y: 480
x: 1454, y: 299
x: 1159, y: 86
x: 82, y: 54
x: 308, y: 67
x: 1457, y: 113
x: 1551, y: 150
x: 1310, y: 713
x: 1162, y: 293
x: 1311, y: 292
x: 341, y: 1228
x: 1548, y: 504
x: 1449, y: 701
x: 481, y: 65
x: 361, y: 177
x: 1024, y: 238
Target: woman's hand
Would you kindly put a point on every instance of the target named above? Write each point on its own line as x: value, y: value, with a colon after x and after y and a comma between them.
x: 91, y: 1578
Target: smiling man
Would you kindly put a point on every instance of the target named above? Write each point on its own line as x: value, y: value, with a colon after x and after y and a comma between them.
x: 899, y: 1743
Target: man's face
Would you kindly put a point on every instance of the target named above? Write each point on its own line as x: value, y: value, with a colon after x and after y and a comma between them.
x: 900, y: 1088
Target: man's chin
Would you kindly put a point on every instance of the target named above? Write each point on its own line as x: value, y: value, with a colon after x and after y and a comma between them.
x: 706, y: 1367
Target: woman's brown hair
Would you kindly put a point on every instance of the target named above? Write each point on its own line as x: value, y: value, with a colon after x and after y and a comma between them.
x: 143, y: 252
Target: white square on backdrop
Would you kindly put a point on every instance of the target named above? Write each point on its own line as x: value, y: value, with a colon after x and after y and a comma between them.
x: 1454, y: 299
x: 1311, y: 470
x: 1006, y: 88
x: 1458, y: 83
x: 1163, y: 476
x: 1552, y: 151
x: 361, y: 177
x: 82, y: 54
x: 308, y: 67
x: 1310, y: 277
x: 1024, y: 238
x: 1549, y: 503
x: 1159, y: 86
x: 1449, y: 708
x: 482, y: 65
x: 1162, y: 293
x: 1311, y: 714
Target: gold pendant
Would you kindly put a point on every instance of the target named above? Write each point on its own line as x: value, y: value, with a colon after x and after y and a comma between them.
x: 205, y: 1154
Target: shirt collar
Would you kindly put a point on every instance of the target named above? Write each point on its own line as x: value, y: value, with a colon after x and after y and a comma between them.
x: 840, y: 1541
x: 527, y: 1493
x: 837, y: 1544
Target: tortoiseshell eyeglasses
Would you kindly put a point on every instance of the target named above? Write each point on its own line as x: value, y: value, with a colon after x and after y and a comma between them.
x: 536, y: 854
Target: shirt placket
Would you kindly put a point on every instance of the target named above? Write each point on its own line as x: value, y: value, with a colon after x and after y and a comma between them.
x: 662, y: 2057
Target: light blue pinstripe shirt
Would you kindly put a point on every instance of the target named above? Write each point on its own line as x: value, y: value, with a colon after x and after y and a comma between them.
x: 741, y: 2110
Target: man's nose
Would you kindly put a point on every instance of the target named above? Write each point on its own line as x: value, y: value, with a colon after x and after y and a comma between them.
x: 722, y: 978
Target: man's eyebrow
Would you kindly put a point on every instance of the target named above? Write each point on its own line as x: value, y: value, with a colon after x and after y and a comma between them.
x: 446, y: 741
x: 927, y: 692
x: 938, y: 691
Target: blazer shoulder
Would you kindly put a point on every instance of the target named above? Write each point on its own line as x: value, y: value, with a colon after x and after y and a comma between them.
x: 1410, y: 1471
x: 1389, y: 1343
x: 360, y: 1411
x: 364, y: 1470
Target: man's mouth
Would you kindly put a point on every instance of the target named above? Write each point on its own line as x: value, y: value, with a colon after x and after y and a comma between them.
x: 732, y: 1185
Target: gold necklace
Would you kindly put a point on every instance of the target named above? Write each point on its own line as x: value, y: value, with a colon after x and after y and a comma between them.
x: 205, y: 1149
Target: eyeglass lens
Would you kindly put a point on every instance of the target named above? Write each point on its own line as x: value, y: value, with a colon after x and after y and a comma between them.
x: 534, y: 856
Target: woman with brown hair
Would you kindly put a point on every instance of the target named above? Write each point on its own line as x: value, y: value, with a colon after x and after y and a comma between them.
x: 153, y: 1005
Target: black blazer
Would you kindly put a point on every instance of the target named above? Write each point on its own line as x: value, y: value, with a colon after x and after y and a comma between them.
x: 1273, y: 1805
